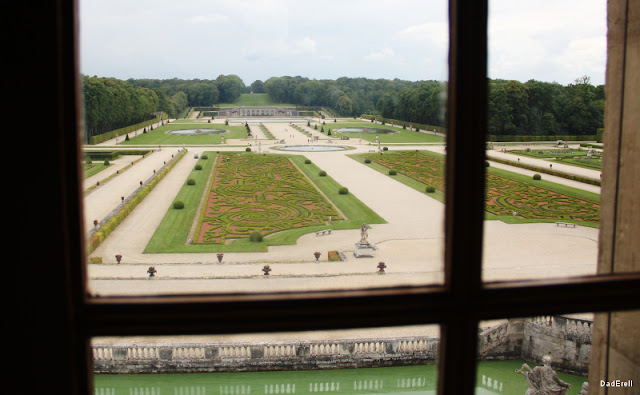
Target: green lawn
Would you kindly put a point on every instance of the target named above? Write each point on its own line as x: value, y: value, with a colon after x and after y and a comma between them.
x: 173, y: 231
x: 254, y: 100
x: 160, y: 136
x: 568, y: 156
x: 401, y: 135
x: 93, y: 169
x: 593, y: 163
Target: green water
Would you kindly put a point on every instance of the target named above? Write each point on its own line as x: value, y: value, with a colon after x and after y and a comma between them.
x: 494, y: 377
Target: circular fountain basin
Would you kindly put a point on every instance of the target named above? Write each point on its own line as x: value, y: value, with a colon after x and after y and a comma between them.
x: 197, y: 132
x: 313, y: 148
x: 366, y: 130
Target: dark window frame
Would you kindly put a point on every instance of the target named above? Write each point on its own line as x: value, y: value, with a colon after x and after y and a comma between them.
x: 458, y: 306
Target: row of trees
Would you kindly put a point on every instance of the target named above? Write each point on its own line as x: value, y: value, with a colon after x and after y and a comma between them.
x: 543, y: 108
x: 111, y: 103
x: 515, y: 108
x: 346, y: 96
x: 199, y: 93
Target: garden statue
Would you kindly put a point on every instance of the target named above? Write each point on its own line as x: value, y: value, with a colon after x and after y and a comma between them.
x: 363, y: 247
x: 364, y: 234
x: 543, y: 380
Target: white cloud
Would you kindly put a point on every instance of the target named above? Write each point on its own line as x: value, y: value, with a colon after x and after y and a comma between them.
x: 207, y: 18
x: 542, y: 39
x: 383, y: 54
x: 547, y: 40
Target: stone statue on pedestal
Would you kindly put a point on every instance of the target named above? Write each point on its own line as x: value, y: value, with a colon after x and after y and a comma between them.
x: 543, y: 380
x: 364, y: 234
x: 363, y: 247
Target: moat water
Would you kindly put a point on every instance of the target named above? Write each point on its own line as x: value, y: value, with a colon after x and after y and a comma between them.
x: 494, y: 377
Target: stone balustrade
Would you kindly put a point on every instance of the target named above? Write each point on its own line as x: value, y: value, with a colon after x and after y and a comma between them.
x: 567, y: 339
x: 264, y: 356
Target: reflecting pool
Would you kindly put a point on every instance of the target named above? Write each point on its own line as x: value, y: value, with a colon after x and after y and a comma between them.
x: 366, y: 130
x: 197, y: 132
x: 312, y: 148
x: 494, y: 377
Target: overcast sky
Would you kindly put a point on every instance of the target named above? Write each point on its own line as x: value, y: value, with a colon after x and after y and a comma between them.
x: 546, y: 40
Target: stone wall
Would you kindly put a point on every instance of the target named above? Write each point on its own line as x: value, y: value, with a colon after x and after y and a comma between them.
x: 568, y: 340
x: 221, y: 357
x: 234, y: 112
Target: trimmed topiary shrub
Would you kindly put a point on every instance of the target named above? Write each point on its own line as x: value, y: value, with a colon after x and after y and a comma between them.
x: 430, y: 189
x: 367, y: 160
x: 191, y: 181
x: 247, y: 149
x: 392, y: 172
x: 204, y: 157
x: 198, y: 167
x: 537, y: 177
x: 307, y: 161
x: 178, y: 204
x: 343, y: 191
x: 322, y: 173
x: 385, y: 148
x: 106, y: 162
x: 255, y: 236
x: 486, y: 164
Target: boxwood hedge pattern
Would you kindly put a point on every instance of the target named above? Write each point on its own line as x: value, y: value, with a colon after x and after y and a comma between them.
x: 504, y: 196
x: 260, y: 193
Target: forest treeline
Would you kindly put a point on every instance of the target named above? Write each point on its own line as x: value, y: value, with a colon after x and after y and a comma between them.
x: 515, y: 108
x: 111, y: 103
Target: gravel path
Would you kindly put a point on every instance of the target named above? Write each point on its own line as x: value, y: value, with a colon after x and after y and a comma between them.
x: 410, y: 243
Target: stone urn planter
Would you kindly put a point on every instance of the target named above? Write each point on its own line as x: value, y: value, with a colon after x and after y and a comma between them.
x: 317, y: 255
x: 152, y: 271
x: 266, y: 269
x: 220, y: 256
x: 381, y: 267
x: 118, y: 258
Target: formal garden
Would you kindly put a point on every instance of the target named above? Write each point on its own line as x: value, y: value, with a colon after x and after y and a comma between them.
x: 251, y: 201
x: 262, y: 194
x: 186, y: 131
x: 582, y: 157
x: 368, y: 131
x: 511, y: 197
x: 96, y: 161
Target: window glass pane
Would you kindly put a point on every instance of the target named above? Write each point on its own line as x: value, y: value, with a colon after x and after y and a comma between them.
x: 514, y: 354
x: 544, y: 150
x: 376, y: 360
x: 555, y: 352
x: 210, y: 127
